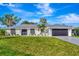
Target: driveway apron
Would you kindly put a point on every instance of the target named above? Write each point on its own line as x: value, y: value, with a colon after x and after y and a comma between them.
x: 69, y: 39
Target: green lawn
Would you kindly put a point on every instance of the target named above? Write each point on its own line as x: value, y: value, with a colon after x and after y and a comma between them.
x: 36, y: 46
x: 76, y: 36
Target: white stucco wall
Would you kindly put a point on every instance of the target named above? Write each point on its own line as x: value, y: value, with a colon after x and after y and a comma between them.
x: 8, y: 32
x: 18, y: 32
x: 69, y: 32
x: 28, y: 31
x: 50, y: 32
x: 37, y: 32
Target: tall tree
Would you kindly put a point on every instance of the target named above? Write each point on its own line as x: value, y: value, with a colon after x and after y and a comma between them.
x: 27, y: 22
x: 43, y: 21
x: 42, y: 24
x: 9, y: 19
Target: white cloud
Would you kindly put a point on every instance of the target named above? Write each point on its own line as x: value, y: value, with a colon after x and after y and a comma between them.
x: 2, y: 4
x: 7, y: 4
x: 34, y: 20
x: 70, y: 18
x: 56, y: 10
x: 44, y: 9
x: 23, y: 14
x: 11, y: 5
x: 16, y: 10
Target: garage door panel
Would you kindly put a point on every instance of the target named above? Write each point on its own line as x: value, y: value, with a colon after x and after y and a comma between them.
x: 59, y: 32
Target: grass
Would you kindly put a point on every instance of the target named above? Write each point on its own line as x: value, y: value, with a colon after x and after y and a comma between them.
x: 36, y: 46
x: 76, y: 36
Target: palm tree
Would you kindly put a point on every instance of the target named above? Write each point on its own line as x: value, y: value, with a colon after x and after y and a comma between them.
x: 27, y: 22
x: 9, y: 20
x: 42, y: 25
x: 43, y: 21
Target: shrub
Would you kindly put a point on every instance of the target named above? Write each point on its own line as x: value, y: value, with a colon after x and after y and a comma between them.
x: 2, y: 32
x: 76, y: 31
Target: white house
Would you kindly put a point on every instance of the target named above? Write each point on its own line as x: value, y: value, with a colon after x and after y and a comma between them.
x: 32, y: 29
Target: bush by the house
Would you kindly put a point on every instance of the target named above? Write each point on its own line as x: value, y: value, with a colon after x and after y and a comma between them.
x: 2, y: 32
x: 76, y: 31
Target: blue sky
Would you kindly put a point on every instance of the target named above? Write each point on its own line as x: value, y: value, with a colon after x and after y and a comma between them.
x: 55, y: 13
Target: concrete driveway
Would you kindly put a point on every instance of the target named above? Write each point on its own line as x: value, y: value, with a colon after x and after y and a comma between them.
x: 69, y: 39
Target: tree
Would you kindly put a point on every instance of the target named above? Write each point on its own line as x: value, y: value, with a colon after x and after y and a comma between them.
x: 27, y: 22
x: 43, y: 21
x: 42, y: 25
x: 76, y: 31
x: 9, y: 20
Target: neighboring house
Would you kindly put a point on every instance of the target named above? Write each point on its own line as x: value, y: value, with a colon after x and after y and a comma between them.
x: 32, y: 29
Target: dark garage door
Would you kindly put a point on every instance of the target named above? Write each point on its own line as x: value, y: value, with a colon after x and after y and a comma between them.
x: 59, y: 32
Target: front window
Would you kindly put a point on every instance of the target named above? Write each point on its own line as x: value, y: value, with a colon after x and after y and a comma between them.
x: 24, y: 32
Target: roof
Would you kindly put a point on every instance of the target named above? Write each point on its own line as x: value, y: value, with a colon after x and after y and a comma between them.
x: 27, y: 26
x: 60, y: 26
x: 32, y: 26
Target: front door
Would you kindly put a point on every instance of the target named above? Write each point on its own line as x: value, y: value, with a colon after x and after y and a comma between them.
x: 32, y: 31
x: 13, y: 32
